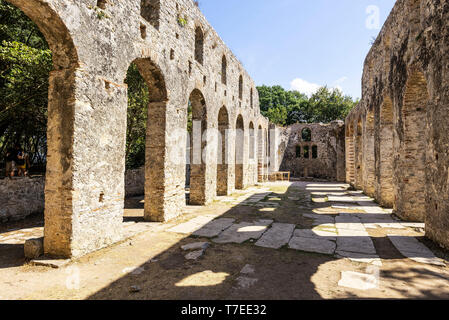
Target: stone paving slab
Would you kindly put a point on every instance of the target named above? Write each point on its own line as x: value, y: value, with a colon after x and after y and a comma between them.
x: 312, y: 245
x: 192, y: 225
x: 214, y: 228
x: 359, y: 257
x: 411, y: 248
x: 356, y: 244
x: 244, y: 231
x: 276, y: 237
x: 315, y: 234
x: 360, y: 281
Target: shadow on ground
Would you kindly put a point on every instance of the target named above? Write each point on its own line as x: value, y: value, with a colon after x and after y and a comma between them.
x: 221, y: 273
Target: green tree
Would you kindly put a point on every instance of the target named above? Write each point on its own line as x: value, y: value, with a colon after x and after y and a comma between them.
x: 138, y: 100
x: 25, y: 62
x: 288, y: 107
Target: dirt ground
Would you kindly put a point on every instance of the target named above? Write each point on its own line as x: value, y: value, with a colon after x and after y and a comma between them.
x: 152, y: 265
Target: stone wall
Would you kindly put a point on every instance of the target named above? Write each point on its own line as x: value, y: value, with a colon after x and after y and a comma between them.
x: 181, y: 58
x: 397, y: 136
x: 23, y: 196
x: 321, y: 156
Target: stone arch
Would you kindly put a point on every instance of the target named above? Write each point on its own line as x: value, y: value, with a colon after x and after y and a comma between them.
x: 260, y: 153
x: 240, y: 87
x: 350, y: 154
x: 306, y: 134
x: 252, y: 141
x: 239, y: 151
x: 224, y: 68
x: 385, y: 187
x: 368, y: 155
x: 223, y: 153
x: 154, y: 142
x: 314, y: 152
x: 61, y: 235
x: 199, y: 45
x: 358, y: 181
x: 197, y: 147
x: 410, y: 163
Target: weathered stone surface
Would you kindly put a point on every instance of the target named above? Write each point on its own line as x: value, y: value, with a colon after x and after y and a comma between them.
x: 244, y: 231
x: 315, y: 234
x: 360, y: 257
x: 277, y: 236
x: 358, y: 244
x: 195, y: 246
x: 396, y: 138
x: 359, y: 281
x: 411, y: 248
x: 92, y: 49
x: 312, y: 245
x: 34, y: 248
x: 328, y: 139
x: 194, y: 255
x: 214, y: 228
x: 192, y: 225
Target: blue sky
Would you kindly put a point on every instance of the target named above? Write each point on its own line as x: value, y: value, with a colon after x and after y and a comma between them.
x: 300, y: 44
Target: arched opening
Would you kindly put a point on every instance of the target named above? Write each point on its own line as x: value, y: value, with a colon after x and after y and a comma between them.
x: 150, y: 11
x: 410, y: 166
x: 196, y: 180
x: 241, y: 87
x: 38, y: 74
x: 224, y: 68
x: 260, y: 154
x: 199, y: 45
x: 314, y: 152
x: 222, y: 154
x: 350, y: 155
x: 306, y: 152
x: 136, y: 128
x: 147, y: 100
x: 359, y: 155
x: 252, y: 141
x: 239, y: 152
x: 385, y: 189
x: 369, y: 177
x: 298, y: 151
x: 306, y: 135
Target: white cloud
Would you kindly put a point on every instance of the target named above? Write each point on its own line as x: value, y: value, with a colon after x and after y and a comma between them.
x: 309, y: 88
x: 303, y: 86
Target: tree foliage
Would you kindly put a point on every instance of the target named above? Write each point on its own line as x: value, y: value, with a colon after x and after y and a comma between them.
x: 138, y: 100
x: 288, y: 107
x: 25, y: 62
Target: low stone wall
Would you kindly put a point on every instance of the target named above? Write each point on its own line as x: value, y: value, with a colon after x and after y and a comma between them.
x: 135, y: 182
x: 21, y: 197
x: 24, y: 196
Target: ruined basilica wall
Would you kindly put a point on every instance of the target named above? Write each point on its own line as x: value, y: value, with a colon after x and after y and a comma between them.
x: 405, y: 88
x: 93, y: 44
x: 329, y: 141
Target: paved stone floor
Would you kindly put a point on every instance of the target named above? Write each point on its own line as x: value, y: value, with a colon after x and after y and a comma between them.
x: 284, y: 240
